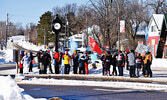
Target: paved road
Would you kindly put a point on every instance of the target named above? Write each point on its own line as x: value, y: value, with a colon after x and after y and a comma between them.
x: 7, y: 67
x: 91, y: 93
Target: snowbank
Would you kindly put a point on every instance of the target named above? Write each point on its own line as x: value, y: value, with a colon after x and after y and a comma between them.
x: 6, y: 56
x: 157, y: 62
x: 9, y: 90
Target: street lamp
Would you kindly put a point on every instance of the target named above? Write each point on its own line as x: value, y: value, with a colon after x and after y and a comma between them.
x: 118, y: 23
x: 56, y: 27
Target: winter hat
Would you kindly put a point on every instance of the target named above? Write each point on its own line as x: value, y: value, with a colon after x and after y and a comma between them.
x: 25, y: 53
x: 127, y: 50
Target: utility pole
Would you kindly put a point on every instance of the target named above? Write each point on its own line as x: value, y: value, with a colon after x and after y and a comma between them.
x: 6, y: 31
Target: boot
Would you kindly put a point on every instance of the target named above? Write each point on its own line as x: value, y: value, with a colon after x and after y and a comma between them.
x: 146, y: 75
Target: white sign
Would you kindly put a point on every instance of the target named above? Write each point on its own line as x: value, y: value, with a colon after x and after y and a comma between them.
x: 142, y: 48
x: 122, y: 26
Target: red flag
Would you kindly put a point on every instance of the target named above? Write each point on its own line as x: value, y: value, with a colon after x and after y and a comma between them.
x: 94, y: 46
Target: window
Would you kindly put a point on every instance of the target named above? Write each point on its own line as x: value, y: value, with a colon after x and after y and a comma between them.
x: 153, y: 28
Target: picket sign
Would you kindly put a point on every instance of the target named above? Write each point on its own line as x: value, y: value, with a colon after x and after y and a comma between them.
x: 141, y: 48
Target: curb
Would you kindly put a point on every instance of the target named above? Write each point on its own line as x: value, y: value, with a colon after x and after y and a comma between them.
x: 95, y: 77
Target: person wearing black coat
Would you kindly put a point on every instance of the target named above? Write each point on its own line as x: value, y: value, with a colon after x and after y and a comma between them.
x: 31, y: 60
x: 114, y: 64
x: 82, y: 62
x: 44, y: 63
x: 75, y: 58
x: 120, y: 62
x: 107, y: 62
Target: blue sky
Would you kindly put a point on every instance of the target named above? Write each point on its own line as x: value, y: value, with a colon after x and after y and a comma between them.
x: 26, y: 11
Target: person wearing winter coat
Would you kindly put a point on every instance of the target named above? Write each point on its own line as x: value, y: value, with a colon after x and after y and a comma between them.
x: 31, y: 60
x: 114, y: 72
x: 26, y: 61
x: 39, y: 55
x: 44, y: 63
x: 49, y: 61
x: 82, y: 61
x: 147, y: 63
x: 75, y: 58
x: 102, y: 57
x: 57, y: 62
x: 131, y: 59
x: 66, y: 63
x: 21, y: 64
x: 86, y: 63
x: 139, y: 61
x: 120, y: 62
x: 107, y: 62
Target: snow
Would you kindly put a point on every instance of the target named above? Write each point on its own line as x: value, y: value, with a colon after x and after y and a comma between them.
x: 131, y: 85
x: 9, y: 90
x: 6, y: 56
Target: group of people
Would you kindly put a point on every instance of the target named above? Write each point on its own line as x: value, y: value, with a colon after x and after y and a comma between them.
x: 130, y: 60
x: 54, y: 61
x: 134, y: 62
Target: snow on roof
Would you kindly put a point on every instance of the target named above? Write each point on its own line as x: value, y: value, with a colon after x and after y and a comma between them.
x: 158, y: 18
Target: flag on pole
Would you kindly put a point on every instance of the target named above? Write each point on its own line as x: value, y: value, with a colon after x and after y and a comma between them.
x: 94, y: 46
x: 73, y: 45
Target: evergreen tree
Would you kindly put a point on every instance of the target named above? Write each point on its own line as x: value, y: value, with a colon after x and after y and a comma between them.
x: 44, y: 28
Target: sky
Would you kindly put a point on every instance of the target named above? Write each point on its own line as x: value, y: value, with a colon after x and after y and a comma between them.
x: 27, y: 11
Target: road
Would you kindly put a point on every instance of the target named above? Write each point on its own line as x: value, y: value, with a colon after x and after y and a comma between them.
x: 7, y: 67
x: 91, y: 93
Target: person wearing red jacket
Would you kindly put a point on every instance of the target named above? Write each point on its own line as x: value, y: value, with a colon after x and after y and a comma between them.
x: 21, y: 64
x: 57, y: 61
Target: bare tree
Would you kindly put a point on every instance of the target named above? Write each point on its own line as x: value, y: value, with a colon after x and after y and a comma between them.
x: 158, y: 6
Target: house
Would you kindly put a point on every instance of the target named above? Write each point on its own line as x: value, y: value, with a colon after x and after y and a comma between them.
x: 157, y: 35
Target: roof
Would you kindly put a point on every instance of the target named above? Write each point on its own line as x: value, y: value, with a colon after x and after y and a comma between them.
x: 158, y: 19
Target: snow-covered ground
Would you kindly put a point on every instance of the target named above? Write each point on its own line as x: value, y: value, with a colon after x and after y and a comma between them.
x: 8, y: 86
x: 9, y: 90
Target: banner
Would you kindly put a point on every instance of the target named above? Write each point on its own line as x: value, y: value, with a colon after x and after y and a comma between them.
x: 94, y: 46
x: 73, y: 45
x: 146, y: 35
x: 122, y: 26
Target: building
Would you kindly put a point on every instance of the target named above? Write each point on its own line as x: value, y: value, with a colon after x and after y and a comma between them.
x: 157, y: 35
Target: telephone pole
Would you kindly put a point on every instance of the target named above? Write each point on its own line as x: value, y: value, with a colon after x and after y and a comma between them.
x: 6, y: 31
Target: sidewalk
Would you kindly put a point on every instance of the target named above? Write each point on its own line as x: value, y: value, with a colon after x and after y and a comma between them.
x: 159, y: 75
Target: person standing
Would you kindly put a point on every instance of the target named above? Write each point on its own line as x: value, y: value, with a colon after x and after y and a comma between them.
x: 75, y: 58
x: 102, y: 57
x: 21, y: 63
x: 86, y: 63
x: 40, y: 66
x: 126, y: 60
x: 120, y: 62
x: 138, y: 64
x: 114, y: 72
x: 82, y: 64
x: 147, y: 64
x: 25, y: 61
x: 44, y: 63
x: 107, y: 62
x: 131, y: 60
x: 57, y: 62
x: 66, y: 63
x: 31, y: 60
x: 49, y: 61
